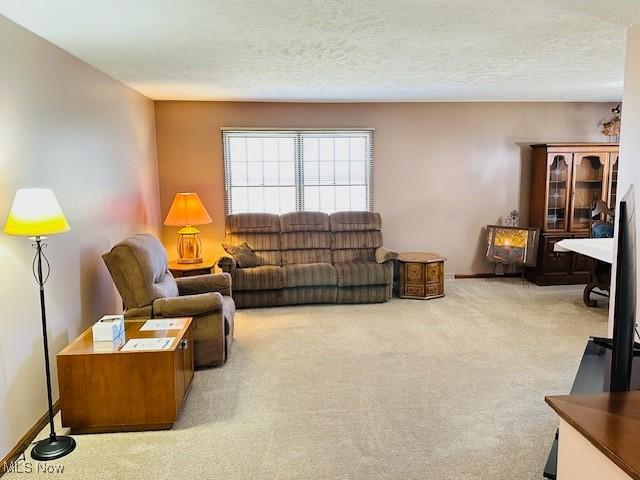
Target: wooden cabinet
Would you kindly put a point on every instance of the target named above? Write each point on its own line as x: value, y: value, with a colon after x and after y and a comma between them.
x: 106, y: 389
x: 566, y: 182
x: 191, y: 269
x: 421, y: 275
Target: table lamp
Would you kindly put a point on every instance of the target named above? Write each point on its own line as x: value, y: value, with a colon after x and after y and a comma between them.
x: 35, y: 213
x: 186, y: 211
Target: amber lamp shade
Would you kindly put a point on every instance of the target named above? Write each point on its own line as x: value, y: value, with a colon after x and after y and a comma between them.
x: 186, y: 211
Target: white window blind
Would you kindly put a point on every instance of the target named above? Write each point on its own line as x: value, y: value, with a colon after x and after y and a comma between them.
x: 275, y: 171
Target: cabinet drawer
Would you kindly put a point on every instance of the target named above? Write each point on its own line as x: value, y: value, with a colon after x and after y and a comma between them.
x: 414, y: 290
x: 414, y: 272
x: 433, y: 289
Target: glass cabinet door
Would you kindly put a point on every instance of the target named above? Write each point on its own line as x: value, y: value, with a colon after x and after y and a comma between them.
x: 613, y: 179
x: 589, y: 176
x: 558, y: 177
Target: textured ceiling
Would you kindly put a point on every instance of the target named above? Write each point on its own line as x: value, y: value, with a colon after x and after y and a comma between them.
x: 331, y: 50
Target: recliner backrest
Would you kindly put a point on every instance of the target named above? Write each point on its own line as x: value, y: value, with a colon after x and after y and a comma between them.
x: 138, y: 266
x: 355, y: 236
x: 261, y: 231
x: 305, y: 238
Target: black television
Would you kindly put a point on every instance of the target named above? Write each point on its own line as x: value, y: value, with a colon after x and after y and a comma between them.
x: 623, y: 345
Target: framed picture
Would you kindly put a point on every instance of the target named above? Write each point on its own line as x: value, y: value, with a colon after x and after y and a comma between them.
x: 512, y: 245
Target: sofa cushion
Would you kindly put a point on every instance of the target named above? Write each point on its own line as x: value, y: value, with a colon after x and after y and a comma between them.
x: 318, y: 255
x: 365, y: 273
x: 264, y: 277
x: 309, y: 275
x: 242, y: 254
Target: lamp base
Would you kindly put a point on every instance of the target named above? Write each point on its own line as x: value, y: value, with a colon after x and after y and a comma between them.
x: 189, y: 261
x: 51, y: 449
x: 189, y: 245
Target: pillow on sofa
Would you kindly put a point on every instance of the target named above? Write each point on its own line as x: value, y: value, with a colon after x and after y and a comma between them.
x: 242, y: 254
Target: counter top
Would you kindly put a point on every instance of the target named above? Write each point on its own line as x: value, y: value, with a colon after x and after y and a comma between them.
x: 420, y: 257
x: 610, y: 421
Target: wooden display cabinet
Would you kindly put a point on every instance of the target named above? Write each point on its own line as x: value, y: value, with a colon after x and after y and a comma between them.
x: 566, y: 181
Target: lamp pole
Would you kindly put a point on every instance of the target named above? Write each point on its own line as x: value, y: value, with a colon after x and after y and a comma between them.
x: 55, y: 446
x: 43, y: 313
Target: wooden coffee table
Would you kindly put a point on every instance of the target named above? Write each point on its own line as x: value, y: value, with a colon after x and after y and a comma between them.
x: 105, y: 389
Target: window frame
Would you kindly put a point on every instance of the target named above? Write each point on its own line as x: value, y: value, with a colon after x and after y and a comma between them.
x: 298, y: 134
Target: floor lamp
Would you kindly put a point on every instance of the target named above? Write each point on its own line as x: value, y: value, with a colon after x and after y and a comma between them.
x: 35, y: 213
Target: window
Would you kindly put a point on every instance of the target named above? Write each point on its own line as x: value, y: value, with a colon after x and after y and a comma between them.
x: 277, y: 171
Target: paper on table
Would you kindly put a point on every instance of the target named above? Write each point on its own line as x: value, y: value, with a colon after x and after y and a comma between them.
x: 163, y: 324
x: 160, y: 343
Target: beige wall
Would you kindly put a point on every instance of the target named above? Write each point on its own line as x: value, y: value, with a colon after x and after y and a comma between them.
x: 442, y: 171
x: 629, y: 173
x: 66, y: 126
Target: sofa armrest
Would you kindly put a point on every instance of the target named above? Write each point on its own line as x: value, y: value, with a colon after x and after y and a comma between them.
x: 384, y: 255
x: 188, y: 305
x: 227, y: 264
x: 219, y: 282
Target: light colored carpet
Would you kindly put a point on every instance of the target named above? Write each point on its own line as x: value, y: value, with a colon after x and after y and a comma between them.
x: 444, y: 389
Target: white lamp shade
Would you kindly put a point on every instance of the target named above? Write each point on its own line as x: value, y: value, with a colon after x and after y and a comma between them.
x: 35, y: 212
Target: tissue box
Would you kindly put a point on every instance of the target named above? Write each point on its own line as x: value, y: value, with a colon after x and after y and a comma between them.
x: 108, y: 328
x: 109, y: 347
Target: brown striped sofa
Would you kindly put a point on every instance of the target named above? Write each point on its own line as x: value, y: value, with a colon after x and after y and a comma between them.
x: 310, y: 257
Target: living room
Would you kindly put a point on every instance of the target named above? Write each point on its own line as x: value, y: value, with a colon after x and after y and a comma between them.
x: 344, y: 371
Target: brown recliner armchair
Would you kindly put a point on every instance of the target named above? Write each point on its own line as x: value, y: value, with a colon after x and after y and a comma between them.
x: 138, y: 266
